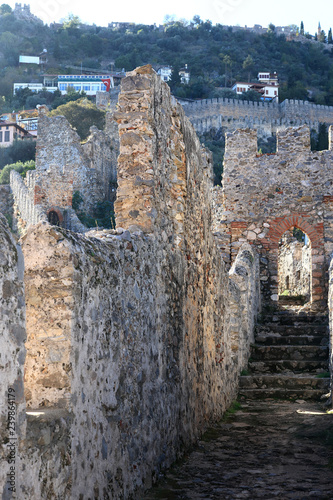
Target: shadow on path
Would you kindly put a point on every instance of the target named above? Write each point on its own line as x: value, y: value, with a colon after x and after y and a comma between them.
x: 268, y: 450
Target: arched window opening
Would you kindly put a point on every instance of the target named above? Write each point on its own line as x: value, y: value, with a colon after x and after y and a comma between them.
x: 294, y: 267
x: 53, y: 218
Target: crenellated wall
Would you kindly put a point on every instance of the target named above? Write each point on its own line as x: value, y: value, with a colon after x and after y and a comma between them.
x: 265, y: 117
x: 26, y: 212
x: 265, y: 195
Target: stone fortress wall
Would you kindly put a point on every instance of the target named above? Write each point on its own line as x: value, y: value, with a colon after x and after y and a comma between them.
x: 264, y: 117
x: 263, y: 196
x: 65, y: 166
x: 135, y: 336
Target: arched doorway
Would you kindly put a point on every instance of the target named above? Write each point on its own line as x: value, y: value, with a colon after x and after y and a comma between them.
x: 53, y: 218
x: 294, y: 267
x: 315, y: 232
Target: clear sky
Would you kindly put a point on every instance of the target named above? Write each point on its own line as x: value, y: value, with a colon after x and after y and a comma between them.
x: 229, y: 12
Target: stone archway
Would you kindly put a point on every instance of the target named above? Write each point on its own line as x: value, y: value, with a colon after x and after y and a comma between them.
x: 315, y: 232
x: 55, y: 217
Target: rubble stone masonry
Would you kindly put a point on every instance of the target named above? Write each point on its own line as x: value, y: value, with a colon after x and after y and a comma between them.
x: 263, y: 196
x: 65, y: 166
x: 135, y: 336
x: 265, y: 117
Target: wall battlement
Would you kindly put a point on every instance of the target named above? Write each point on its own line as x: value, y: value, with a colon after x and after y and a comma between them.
x: 265, y: 195
x: 263, y: 116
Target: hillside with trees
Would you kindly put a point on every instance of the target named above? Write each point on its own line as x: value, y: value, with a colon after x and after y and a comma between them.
x: 217, y: 57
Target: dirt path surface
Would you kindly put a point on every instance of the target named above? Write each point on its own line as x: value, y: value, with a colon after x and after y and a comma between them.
x: 267, y: 449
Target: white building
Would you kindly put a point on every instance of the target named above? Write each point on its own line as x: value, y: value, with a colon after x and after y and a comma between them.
x: 165, y: 73
x: 90, y: 84
x: 184, y: 74
x: 267, y: 86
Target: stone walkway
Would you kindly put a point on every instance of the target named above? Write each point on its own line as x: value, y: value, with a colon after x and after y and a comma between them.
x: 266, y: 450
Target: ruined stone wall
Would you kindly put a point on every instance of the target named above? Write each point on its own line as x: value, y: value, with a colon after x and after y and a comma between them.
x: 150, y: 363
x: 49, y: 304
x: 6, y: 200
x: 330, y: 311
x: 26, y: 212
x: 64, y: 166
x: 12, y: 337
x: 264, y: 117
x: 99, y: 150
x: 264, y: 196
x: 159, y: 332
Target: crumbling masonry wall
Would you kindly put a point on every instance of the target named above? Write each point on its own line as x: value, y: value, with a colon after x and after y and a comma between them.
x: 263, y: 196
x: 159, y: 332
x: 64, y: 166
x: 12, y: 353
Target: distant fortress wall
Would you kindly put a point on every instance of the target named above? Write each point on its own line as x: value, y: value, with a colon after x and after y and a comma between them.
x: 264, y: 117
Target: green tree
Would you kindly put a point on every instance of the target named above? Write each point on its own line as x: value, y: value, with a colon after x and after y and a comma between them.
x: 248, y: 65
x: 227, y: 64
x: 5, y: 9
x: 20, y: 150
x: 302, y: 28
x: 20, y: 167
x: 174, y: 82
x: 322, y: 36
x: 196, y: 21
x: 81, y: 114
x: 329, y: 36
x: 71, y: 22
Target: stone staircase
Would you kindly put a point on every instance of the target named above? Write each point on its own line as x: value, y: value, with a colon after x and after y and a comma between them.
x: 289, y: 359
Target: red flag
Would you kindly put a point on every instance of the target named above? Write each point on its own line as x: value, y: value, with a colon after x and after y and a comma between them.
x: 107, y: 83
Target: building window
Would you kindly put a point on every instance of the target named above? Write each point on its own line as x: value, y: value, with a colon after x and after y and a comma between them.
x: 7, y: 136
x: 0, y: 136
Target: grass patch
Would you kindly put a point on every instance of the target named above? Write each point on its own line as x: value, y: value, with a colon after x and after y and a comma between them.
x: 244, y: 373
x: 323, y: 375
x: 235, y: 407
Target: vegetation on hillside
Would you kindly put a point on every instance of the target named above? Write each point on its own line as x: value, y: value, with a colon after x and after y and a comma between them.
x: 21, y: 150
x: 215, y: 55
x: 81, y: 114
x: 21, y: 168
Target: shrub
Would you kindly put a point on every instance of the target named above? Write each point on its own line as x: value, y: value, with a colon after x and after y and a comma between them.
x: 20, y: 167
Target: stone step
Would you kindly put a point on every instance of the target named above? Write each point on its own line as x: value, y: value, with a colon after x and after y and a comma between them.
x: 289, y: 352
x: 283, y: 365
x: 290, y: 394
x: 302, y: 381
x: 286, y: 318
x: 297, y: 329
x: 277, y: 339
